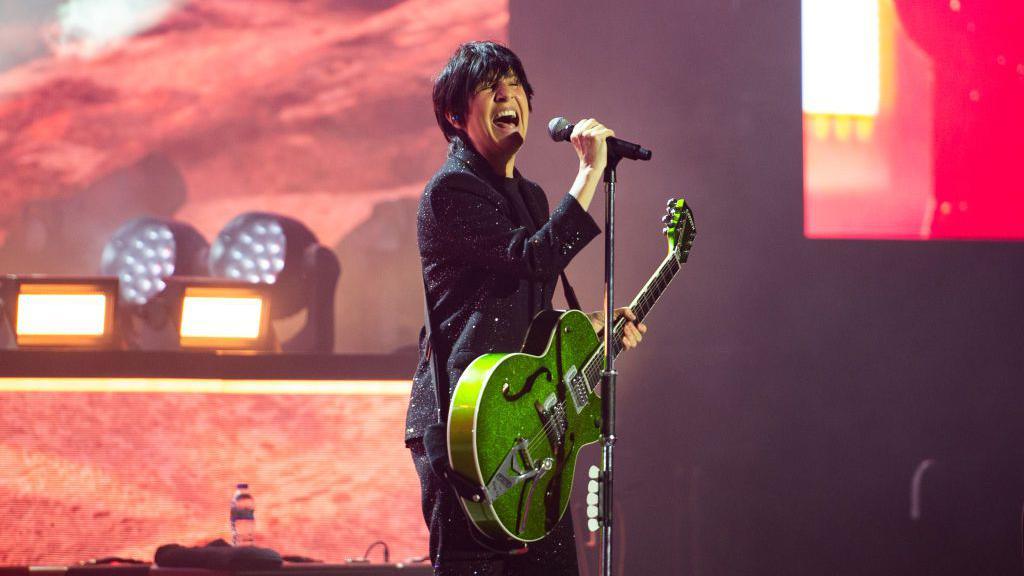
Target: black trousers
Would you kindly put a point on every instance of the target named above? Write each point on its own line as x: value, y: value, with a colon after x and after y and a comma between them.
x: 458, y: 549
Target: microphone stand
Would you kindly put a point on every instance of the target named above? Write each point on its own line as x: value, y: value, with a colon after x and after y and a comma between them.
x: 609, y: 376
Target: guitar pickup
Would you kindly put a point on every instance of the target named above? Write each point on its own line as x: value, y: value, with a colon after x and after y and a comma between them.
x: 577, y: 387
x: 552, y: 419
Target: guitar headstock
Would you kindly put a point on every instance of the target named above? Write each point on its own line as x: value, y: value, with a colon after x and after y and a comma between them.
x: 679, y: 228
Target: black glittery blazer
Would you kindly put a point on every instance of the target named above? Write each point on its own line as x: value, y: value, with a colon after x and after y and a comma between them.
x: 490, y: 263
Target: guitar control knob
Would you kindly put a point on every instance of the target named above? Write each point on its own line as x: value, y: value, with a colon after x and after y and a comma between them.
x: 547, y: 464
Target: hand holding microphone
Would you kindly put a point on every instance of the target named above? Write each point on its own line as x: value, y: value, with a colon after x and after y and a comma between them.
x: 561, y: 130
x: 593, y: 143
x: 589, y: 137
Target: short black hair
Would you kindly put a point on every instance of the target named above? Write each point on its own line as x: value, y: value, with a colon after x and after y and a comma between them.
x: 473, y: 64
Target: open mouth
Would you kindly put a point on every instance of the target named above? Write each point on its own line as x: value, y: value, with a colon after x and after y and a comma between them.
x: 507, y: 119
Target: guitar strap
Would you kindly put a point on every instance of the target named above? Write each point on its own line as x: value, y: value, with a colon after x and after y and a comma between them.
x: 570, y: 294
x: 441, y: 387
x: 435, y: 437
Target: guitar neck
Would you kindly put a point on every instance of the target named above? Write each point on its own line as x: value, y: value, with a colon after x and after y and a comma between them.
x: 641, y: 307
x: 648, y: 296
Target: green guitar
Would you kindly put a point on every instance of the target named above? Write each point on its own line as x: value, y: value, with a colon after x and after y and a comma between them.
x: 517, y: 421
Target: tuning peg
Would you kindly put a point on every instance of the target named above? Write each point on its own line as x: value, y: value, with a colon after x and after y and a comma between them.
x: 671, y: 202
x: 664, y: 230
x: 667, y: 218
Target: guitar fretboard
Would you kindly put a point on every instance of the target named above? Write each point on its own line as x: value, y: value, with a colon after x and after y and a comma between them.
x: 641, y: 307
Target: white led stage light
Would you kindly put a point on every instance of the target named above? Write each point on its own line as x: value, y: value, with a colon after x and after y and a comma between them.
x: 279, y: 251
x: 144, y: 252
x: 251, y: 248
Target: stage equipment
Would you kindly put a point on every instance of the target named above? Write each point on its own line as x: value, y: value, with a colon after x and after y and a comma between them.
x: 143, y: 254
x: 222, y: 315
x: 302, y: 274
x: 54, y: 312
x: 145, y: 251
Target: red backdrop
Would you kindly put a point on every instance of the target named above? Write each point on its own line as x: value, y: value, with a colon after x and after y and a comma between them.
x: 98, y: 474
x: 199, y: 111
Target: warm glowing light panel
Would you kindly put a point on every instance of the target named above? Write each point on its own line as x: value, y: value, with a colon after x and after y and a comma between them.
x: 913, y: 123
x: 60, y: 311
x: 208, y: 386
x: 61, y: 314
x: 221, y: 317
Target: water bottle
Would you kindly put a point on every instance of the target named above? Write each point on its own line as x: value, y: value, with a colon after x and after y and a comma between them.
x: 243, y: 516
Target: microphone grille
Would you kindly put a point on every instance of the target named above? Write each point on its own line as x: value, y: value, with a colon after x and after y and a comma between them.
x: 560, y: 129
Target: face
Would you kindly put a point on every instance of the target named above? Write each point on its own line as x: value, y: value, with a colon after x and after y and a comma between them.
x: 496, y: 121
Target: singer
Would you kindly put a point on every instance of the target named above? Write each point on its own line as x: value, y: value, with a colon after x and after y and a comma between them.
x: 491, y: 255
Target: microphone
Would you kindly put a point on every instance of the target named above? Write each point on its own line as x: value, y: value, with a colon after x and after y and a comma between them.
x: 560, y: 130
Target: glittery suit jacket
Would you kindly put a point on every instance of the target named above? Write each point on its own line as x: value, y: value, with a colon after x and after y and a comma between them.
x: 490, y: 264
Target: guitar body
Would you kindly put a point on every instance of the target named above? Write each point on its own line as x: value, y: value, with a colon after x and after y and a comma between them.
x: 516, y: 427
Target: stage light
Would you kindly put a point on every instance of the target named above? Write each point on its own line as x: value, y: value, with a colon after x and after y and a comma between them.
x: 252, y: 248
x: 264, y: 248
x: 144, y: 252
x: 55, y: 312
x: 209, y: 316
x: 223, y: 315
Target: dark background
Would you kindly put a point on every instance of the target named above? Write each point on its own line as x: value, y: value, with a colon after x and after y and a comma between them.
x: 788, y: 388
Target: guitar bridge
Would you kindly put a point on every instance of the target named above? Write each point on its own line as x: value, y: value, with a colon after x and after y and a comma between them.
x: 517, y: 467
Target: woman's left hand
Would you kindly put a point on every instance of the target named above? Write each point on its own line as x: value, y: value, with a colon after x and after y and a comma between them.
x: 633, y: 333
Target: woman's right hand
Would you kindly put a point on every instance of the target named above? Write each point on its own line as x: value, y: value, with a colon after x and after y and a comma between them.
x: 589, y: 138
